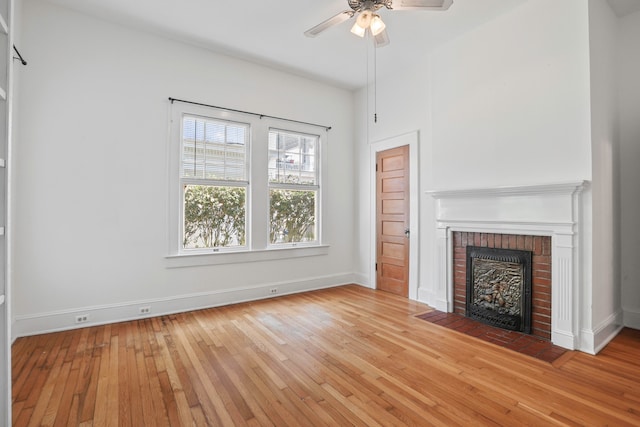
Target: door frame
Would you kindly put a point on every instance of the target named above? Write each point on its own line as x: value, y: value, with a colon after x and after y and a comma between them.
x: 411, y: 139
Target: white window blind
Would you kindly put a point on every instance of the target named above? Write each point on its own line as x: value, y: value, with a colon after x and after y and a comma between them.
x: 214, y: 150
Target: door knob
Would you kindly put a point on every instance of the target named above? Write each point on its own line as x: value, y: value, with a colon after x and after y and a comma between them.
x: 407, y: 232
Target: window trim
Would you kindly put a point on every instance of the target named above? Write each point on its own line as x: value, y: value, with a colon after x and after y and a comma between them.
x: 258, y: 247
x: 237, y: 257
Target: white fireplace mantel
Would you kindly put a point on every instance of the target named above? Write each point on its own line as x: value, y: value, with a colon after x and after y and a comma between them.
x: 544, y: 210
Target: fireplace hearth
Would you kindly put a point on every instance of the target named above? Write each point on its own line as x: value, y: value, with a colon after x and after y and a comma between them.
x: 499, y: 283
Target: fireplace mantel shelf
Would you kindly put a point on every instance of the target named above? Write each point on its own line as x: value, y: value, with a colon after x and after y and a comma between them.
x: 538, y: 189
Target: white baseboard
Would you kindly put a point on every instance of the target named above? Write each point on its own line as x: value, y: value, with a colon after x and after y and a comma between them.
x: 40, y: 323
x: 632, y: 319
x: 592, y: 341
x: 563, y: 339
x: 424, y: 295
x: 431, y: 299
x: 362, y: 280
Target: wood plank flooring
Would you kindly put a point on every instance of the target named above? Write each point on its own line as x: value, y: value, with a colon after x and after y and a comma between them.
x: 337, y: 357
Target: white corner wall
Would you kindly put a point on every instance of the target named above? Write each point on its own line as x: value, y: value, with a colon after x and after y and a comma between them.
x: 629, y: 104
x: 606, y: 317
x: 90, y: 205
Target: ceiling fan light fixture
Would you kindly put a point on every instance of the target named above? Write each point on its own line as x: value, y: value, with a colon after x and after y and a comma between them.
x: 377, y: 26
x: 364, y: 19
x: 358, y: 30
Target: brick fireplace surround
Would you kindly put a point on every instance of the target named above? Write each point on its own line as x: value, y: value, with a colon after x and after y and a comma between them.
x: 540, y: 246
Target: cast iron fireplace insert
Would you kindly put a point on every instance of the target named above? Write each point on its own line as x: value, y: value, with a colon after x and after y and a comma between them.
x: 499, y: 286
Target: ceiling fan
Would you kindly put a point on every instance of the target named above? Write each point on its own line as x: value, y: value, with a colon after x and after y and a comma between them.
x: 369, y: 20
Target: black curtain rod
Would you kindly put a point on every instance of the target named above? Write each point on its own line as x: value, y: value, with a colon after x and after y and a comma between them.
x: 248, y: 112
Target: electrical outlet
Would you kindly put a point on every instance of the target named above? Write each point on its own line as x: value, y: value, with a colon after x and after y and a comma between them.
x: 82, y: 318
x: 144, y: 310
x: 273, y: 291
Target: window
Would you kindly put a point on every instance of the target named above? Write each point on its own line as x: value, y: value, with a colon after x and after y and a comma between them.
x: 214, y: 183
x: 293, y: 187
x: 243, y: 185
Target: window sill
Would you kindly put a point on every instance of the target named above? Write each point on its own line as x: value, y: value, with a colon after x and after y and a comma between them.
x: 193, y: 260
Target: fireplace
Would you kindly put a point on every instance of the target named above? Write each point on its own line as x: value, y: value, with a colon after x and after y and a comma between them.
x: 546, y: 219
x: 498, y: 287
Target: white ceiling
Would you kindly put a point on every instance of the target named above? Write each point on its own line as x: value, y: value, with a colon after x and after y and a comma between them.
x: 271, y: 32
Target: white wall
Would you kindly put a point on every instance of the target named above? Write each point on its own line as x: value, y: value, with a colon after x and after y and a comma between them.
x: 513, y: 96
x: 629, y: 102
x: 505, y: 104
x: 91, y: 207
x: 402, y: 107
x: 606, y: 316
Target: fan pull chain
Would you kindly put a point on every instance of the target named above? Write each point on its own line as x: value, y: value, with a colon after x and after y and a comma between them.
x: 375, y: 82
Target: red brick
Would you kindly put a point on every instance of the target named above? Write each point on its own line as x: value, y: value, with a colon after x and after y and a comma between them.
x: 541, y: 327
x: 498, y: 241
x: 541, y: 266
x: 490, y: 240
x: 476, y: 239
x: 537, y: 245
x: 542, y: 334
x: 541, y: 281
x: 542, y: 311
x: 543, y: 259
x: 542, y: 324
x: 541, y: 290
x: 528, y: 243
x: 542, y: 298
x: 543, y: 274
x: 541, y: 305
x: 520, y: 242
x: 513, y: 241
x: 540, y: 318
x: 546, y: 245
x: 541, y: 301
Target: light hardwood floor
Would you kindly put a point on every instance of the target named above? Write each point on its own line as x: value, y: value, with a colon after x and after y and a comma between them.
x: 343, y: 356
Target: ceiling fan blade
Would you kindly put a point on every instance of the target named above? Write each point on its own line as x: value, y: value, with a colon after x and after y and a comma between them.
x: 382, y: 39
x: 334, y: 20
x: 421, y: 4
